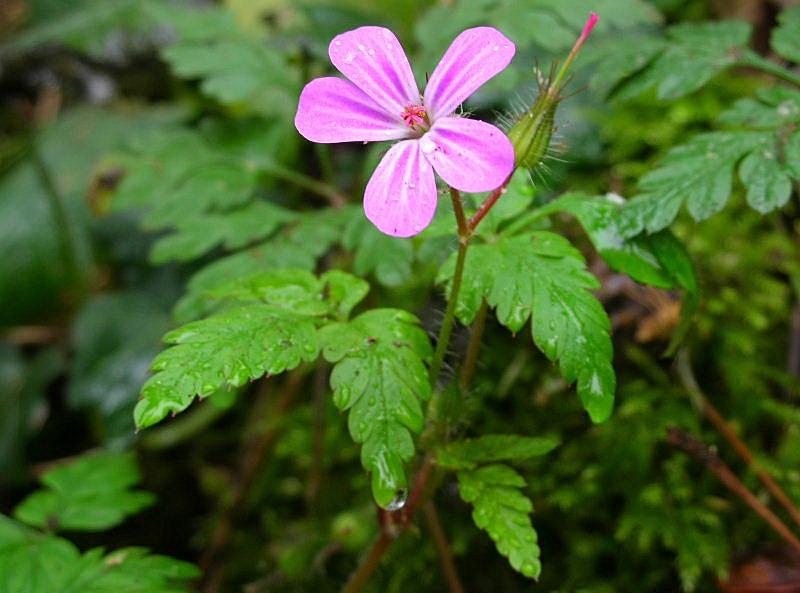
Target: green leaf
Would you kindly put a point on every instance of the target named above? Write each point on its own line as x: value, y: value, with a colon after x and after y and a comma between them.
x: 774, y: 108
x: 199, y: 234
x: 267, y: 325
x: 388, y: 258
x: 611, y: 61
x: 34, y: 563
x: 698, y: 173
x: 503, y: 511
x: 90, y: 494
x: 693, y: 55
x: 766, y: 179
x: 785, y: 40
x: 542, y: 275
x: 469, y: 453
x: 380, y: 377
x: 297, y: 246
x: 176, y: 174
x: 235, y: 68
x: 599, y: 218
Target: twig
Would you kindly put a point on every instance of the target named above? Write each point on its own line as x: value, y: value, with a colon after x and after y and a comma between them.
x: 689, y: 382
x: 705, y: 455
x: 255, y: 451
x: 442, y: 547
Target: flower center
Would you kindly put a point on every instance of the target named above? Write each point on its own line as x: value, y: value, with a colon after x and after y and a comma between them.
x: 414, y: 116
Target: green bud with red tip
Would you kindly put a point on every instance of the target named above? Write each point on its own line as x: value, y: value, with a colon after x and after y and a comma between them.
x: 533, y: 130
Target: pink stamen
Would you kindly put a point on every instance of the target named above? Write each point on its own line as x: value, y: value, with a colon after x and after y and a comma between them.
x: 413, y: 115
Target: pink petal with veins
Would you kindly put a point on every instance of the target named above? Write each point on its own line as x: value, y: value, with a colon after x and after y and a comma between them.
x: 335, y: 110
x: 470, y: 155
x: 474, y: 57
x: 401, y: 196
x: 373, y: 59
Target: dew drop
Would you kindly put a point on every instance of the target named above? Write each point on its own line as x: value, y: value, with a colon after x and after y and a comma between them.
x: 496, y: 48
x: 337, y: 42
x: 399, y: 500
x: 361, y: 47
x: 348, y: 59
x: 427, y: 145
x: 412, y: 185
x: 371, y: 51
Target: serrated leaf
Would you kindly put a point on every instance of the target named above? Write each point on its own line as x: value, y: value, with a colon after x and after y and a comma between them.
x: 380, y: 378
x: 469, y: 453
x: 388, y: 258
x: 542, y: 275
x: 90, y: 494
x: 613, y: 60
x: 235, y: 68
x: 296, y: 246
x: 196, y: 235
x: 31, y: 562
x: 693, y: 55
x: 599, y: 217
x: 550, y: 24
x: 773, y: 108
x: 175, y: 174
x: 785, y: 39
x: 698, y: 173
x: 269, y: 326
x: 503, y: 511
x: 766, y: 179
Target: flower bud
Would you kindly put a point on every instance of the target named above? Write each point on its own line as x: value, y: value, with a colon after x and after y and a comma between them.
x: 532, y: 131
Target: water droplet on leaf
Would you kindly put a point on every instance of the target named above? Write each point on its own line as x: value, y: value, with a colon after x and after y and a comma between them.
x: 399, y: 500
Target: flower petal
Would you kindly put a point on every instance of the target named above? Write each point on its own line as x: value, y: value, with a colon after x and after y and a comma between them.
x: 474, y: 57
x: 335, y: 110
x: 401, y: 195
x: 468, y: 154
x: 373, y: 59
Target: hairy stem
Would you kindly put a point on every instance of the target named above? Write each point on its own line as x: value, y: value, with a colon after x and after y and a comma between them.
x: 446, y: 330
x: 484, y: 208
x: 726, y: 430
x: 442, y: 547
x: 708, y: 457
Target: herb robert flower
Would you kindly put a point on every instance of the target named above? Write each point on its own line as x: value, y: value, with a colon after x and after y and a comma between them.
x: 381, y: 101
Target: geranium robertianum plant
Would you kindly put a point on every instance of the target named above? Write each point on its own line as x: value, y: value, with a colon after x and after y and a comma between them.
x: 386, y: 372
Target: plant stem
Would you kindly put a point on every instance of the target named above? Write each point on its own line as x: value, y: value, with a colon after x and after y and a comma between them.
x: 370, y: 562
x: 474, y: 347
x: 484, y: 208
x: 705, y: 455
x: 330, y: 193
x: 750, y: 59
x: 446, y: 330
x: 442, y: 547
x: 699, y: 399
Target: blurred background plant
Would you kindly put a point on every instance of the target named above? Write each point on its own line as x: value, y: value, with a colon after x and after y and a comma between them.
x: 148, y: 156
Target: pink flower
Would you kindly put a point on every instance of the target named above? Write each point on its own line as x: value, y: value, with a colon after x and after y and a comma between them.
x: 381, y: 101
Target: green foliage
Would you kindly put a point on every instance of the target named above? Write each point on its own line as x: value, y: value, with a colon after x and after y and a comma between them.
x: 540, y: 275
x: 234, y: 68
x: 503, y: 511
x: 91, y: 494
x: 468, y: 453
x: 784, y: 38
x: 380, y: 377
x: 269, y: 325
x: 700, y: 172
